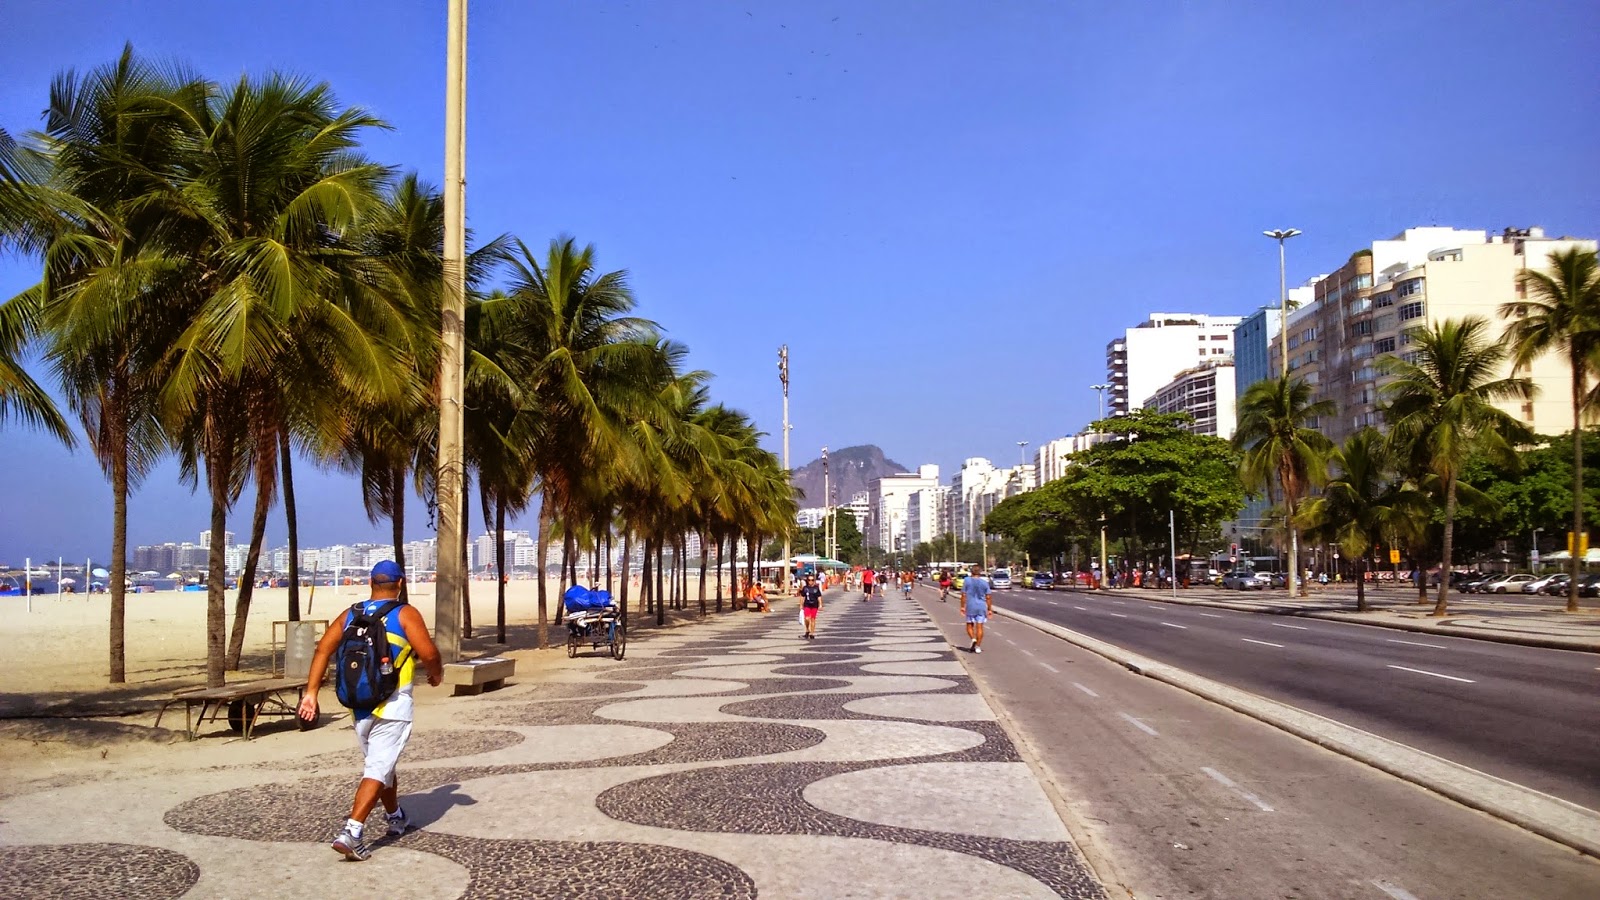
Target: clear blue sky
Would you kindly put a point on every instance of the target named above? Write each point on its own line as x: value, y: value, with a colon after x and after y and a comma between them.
x: 945, y: 209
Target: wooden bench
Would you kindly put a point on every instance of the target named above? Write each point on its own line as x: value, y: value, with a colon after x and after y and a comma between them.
x: 474, y: 676
x: 243, y: 703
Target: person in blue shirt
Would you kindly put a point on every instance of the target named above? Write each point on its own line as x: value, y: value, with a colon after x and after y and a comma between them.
x: 381, y: 734
x: 976, y: 605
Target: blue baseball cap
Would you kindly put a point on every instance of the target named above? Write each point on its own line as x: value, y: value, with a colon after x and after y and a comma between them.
x: 387, y: 571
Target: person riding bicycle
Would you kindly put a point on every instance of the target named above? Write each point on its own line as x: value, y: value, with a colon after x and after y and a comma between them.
x: 944, y: 585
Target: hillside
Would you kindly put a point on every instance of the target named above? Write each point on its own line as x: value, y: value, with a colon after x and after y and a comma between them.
x: 850, y: 470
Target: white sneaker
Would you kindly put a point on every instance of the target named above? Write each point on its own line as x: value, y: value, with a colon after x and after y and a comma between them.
x: 398, y: 822
x: 353, y: 847
x: 977, y: 649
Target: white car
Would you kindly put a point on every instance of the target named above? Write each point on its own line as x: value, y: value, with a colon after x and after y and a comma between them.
x: 1510, y: 583
x: 1538, y: 585
x: 1000, y: 579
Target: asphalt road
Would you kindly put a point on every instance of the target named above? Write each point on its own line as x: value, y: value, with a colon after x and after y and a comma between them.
x: 1529, y: 715
x: 1173, y: 796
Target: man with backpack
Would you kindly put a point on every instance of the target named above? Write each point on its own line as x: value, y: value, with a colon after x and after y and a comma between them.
x: 376, y: 646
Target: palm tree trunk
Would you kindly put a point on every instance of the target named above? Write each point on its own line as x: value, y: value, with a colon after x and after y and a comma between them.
x: 1361, y: 584
x: 569, y: 569
x: 397, y: 521
x: 609, y: 582
x: 217, y: 470
x: 646, y: 590
x: 661, y: 595
x: 627, y: 563
x: 500, y: 567
x: 542, y: 546
x: 294, y: 529
x: 247, y: 578
x: 705, y: 557
x: 719, y: 573
x: 466, y: 559
x: 119, y: 547
x: 1440, y: 605
x: 1575, y: 565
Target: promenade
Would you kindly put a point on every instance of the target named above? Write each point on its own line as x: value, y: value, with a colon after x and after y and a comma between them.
x: 723, y: 758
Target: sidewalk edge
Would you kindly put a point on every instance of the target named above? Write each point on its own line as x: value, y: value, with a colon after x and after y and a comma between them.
x: 1566, y: 823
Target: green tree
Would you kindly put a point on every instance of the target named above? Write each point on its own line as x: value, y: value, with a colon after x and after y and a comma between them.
x: 1283, y: 449
x: 1441, y: 410
x: 1361, y: 503
x: 1561, y: 314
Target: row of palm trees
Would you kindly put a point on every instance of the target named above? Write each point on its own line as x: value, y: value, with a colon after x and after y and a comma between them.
x: 226, y: 278
x: 1442, y: 405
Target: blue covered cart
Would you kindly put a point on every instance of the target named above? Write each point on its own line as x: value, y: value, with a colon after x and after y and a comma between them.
x: 593, y: 619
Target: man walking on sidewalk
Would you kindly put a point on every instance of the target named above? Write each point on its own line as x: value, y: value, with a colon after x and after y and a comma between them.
x: 382, y: 732
x: 810, y: 606
x: 975, y: 600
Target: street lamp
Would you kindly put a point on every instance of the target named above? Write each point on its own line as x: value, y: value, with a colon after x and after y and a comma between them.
x: 1280, y: 235
x: 1101, y: 390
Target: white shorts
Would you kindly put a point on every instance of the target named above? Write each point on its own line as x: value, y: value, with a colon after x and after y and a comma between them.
x: 381, y: 741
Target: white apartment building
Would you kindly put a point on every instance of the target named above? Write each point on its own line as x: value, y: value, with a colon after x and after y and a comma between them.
x: 927, y: 514
x: 1153, y: 352
x: 888, y: 502
x: 810, y: 517
x: 860, y: 507
x: 1052, y: 458
x: 1205, y: 392
x: 977, y: 489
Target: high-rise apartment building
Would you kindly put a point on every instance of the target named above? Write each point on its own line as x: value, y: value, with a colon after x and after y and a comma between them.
x: 888, y: 502
x: 927, y: 514
x: 1363, y: 311
x: 1151, y: 353
x: 1205, y: 392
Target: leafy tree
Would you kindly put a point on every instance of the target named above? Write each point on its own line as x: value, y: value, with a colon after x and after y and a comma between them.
x: 1361, y: 503
x: 1441, y: 410
x: 1561, y: 314
x: 1283, y: 449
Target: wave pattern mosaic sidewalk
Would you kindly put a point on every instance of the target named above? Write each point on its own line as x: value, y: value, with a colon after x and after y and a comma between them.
x: 730, y: 759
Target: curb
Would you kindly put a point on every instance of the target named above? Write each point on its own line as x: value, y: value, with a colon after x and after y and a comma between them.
x: 1339, y: 616
x: 1566, y: 823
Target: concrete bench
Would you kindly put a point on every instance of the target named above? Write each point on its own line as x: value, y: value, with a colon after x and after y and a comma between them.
x: 474, y: 676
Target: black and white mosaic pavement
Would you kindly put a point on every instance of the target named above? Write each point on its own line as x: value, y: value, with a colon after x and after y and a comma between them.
x: 726, y: 759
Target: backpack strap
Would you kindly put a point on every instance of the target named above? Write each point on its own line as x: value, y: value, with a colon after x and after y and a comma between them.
x: 382, y: 614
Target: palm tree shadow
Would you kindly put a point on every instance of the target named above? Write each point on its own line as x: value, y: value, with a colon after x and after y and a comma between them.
x: 426, y: 809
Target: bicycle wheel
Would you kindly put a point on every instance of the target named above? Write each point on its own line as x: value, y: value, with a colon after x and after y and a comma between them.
x: 619, y: 641
x: 572, y: 645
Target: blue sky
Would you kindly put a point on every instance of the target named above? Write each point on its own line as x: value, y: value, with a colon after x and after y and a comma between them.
x: 945, y: 209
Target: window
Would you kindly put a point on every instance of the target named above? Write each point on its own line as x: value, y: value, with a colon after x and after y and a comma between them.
x: 1384, y: 299
x: 1363, y: 281
x: 1383, y: 345
x: 1409, y: 287
x: 1412, y: 310
x: 1360, y: 329
x: 1383, y: 323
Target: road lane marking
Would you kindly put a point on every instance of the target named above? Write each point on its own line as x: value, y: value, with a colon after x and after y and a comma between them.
x: 1213, y: 616
x: 1418, y: 644
x: 1084, y: 689
x: 1055, y: 602
x: 1265, y: 643
x: 1434, y: 674
x: 1140, y: 725
x: 1079, y: 607
x: 1393, y: 890
x: 1170, y: 625
x: 1227, y: 782
x: 1118, y: 615
x: 1051, y: 668
x: 1281, y: 625
x: 1027, y: 652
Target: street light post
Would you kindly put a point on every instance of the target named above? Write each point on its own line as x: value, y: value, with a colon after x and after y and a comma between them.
x: 783, y: 376
x: 1101, y: 390
x: 451, y: 571
x: 1280, y: 235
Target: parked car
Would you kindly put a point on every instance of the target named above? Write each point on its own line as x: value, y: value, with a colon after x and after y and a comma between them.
x: 1474, y: 584
x: 1244, y: 581
x: 1556, y: 585
x: 1589, y: 586
x: 1000, y: 579
x: 1041, y: 581
x: 959, y: 581
x: 1276, y: 579
x: 1539, y: 584
x: 1505, y: 584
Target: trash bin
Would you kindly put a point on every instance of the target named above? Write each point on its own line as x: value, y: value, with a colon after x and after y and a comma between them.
x: 300, y: 645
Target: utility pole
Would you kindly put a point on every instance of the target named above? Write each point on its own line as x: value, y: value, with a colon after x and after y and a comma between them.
x: 1100, y: 389
x: 1280, y: 235
x: 788, y: 476
x: 827, y: 508
x: 452, y: 357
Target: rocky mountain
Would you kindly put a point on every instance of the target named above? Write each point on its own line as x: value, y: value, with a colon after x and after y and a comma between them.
x: 850, y: 470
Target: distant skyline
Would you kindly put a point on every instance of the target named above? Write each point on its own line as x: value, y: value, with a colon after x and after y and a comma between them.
x: 946, y: 210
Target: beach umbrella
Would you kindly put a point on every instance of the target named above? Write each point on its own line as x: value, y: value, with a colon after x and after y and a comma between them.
x: 100, y: 573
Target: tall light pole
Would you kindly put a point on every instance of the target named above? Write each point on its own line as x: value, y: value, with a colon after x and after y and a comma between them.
x: 827, y: 510
x: 452, y: 542
x: 1101, y: 390
x: 1280, y: 235
x: 788, y: 476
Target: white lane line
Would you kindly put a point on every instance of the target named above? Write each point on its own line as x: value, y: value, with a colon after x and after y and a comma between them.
x: 1434, y: 674
x: 1055, y: 603
x: 1264, y: 643
x: 1026, y: 652
x: 1170, y: 625
x: 1213, y: 616
x: 1281, y: 625
x: 1392, y: 889
x: 1080, y: 608
x: 1418, y: 644
x: 1140, y: 725
x: 1084, y: 689
x: 1118, y: 615
x: 1051, y: 668
x: 1227, y: 782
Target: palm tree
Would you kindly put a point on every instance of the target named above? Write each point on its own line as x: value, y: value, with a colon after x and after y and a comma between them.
x: 1361, y: 503
x: 1562, y: 314
x: 1441, y: 409
x: 1281, y: 447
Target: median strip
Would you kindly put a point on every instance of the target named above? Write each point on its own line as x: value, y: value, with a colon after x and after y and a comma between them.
x: 1559, y: 820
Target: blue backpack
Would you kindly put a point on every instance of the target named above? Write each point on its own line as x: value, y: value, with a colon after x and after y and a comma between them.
x: 365, y: 675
